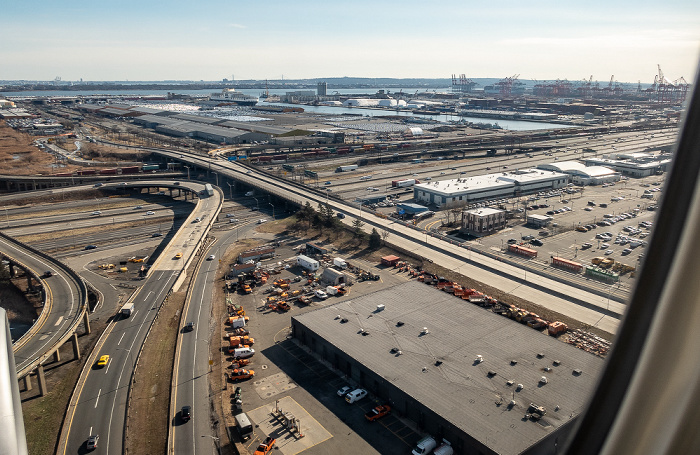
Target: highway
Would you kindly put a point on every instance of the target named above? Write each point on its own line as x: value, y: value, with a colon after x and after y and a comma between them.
x: 65, y: 295
x: 100, y: 403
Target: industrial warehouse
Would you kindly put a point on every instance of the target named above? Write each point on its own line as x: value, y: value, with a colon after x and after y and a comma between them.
x: 582, y: 174
x: 461, y: 372
x: 446, y: 193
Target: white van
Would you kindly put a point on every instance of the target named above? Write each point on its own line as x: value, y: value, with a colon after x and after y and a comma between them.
x: 245, y: 427
x: 424, y: 446
x: 243, y: 353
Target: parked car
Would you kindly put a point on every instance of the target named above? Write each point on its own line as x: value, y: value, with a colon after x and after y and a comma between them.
x: 377, y: 412
x: 512, y: 241
x: 344, y: 390
x: 536, y: 242
x: 355, y: 395
x: 320, y: 294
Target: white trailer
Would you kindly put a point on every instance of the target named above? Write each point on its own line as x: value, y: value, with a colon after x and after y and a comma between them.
x: 331, y: 290
x: 307, y: 263
x: 339, y: 262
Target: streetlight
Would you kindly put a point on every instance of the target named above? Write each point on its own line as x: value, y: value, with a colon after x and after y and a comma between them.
x: 257, y: 204
x: 188, y: 171
x: 273, y: 212
x: 230, y: 190
x: 216, y: 440
x: 7, y: 217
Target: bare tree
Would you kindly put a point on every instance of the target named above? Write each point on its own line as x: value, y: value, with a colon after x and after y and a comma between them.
x: 456, y: 212
x: 385, y: 235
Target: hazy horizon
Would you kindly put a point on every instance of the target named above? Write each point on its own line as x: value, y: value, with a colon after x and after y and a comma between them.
x: 130, y: 41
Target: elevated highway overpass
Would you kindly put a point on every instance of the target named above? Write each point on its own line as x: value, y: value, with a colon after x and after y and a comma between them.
x: 65, y: 299
x: 589, y: 302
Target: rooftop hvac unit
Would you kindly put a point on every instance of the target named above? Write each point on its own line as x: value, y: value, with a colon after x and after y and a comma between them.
x: 519, y: 387
x: 425, y: 331
x: 380, y: 307
x: 543, y: 380
x: 479, y: 359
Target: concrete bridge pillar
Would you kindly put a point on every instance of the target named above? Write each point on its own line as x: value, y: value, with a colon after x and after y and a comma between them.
x: 30, y: 286
x: 27, y: 382
x: 42, y: 380
x: 56, y: 356
x: 76, y: 346
x: 12, y: 270
x: 86, y: 322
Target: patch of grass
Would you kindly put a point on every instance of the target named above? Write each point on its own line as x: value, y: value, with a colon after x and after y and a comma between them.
x: 43, y: 416
x: 148, y: 421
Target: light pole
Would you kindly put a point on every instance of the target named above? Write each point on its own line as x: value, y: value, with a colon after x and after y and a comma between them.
x: 188, y: 171
x: 273, y: 212
x: 257, y: 204
x: 230, y: 190
x: 7, y: 217
x: 216, y: 441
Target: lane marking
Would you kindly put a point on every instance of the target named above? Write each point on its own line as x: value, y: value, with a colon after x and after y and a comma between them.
x: 120, y: 338
x: 98, y: 398
x: 60, y: 319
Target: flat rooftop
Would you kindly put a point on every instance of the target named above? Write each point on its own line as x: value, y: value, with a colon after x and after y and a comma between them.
x: 438, y: 369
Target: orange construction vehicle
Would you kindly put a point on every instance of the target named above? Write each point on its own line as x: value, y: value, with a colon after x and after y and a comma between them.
x: 236, y: 341
x: 247, y: 289
x: 280, y: 306
x: 240, y: 363
x: 266, y: 446
x: 555, y: 328
x: 240, y: 374
x: 240, y: 331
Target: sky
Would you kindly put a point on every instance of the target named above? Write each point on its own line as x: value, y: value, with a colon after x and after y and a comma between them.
x: 268, y: 39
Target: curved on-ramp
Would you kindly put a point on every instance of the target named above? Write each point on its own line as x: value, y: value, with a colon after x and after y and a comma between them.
x: 65, y: 305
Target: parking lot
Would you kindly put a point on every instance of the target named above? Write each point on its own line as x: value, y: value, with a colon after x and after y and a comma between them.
x: 307, y: 386
x: 612, y: 221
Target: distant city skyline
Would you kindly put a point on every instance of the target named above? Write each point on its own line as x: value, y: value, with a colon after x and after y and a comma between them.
x: 213, y: 40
